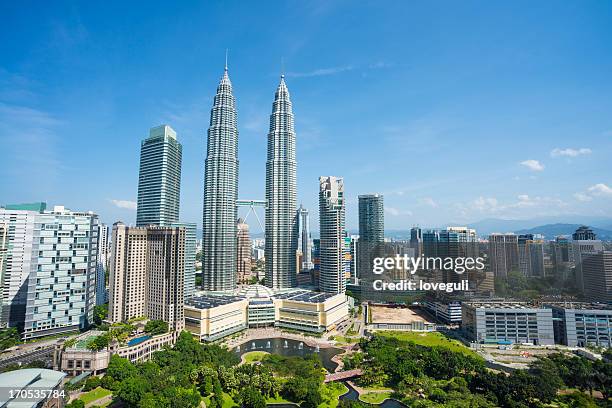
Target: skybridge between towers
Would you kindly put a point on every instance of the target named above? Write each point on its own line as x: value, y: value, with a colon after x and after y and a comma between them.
x: 253, y: 205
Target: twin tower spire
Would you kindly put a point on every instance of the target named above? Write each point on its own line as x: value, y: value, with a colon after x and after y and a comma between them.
x: 219, y: 246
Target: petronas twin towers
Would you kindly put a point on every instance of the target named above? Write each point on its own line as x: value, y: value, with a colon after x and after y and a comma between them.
x: 220, y: 213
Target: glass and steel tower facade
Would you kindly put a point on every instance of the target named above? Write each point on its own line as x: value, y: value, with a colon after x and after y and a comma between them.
x: 159, y: 180
x: 220, y: 193
x: 281, y: 194
x: 332, y: 229
x: 371, y: 230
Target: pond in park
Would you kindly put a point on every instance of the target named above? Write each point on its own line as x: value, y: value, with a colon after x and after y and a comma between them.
x: 290, y: 348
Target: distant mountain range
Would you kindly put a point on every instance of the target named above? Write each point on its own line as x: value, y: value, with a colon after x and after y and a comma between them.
x: 490, y: 225
x: 550, y: 227
x: 550, y: 231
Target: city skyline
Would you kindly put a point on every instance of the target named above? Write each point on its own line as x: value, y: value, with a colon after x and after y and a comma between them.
x: 543, y: 162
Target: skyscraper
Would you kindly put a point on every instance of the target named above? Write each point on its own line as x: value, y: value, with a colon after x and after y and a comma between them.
x: 190, y: 256
x: 281, y: 194
x: 61, y: 288
x: 101, y: 292
x: 304, y: 246
x: 3, y: 250
x: 244, y: 247
x: 220, y: 192
x: 371, y: 230
x: 531, y: 254
x: 128, y: 273
x: 19, y: 221
x: 597, y: 274
x: 332, y: 232
x: 584, y: 243
x: 147, y: 274
x: 159, y: 179
x: 166, y: 271
x: 503, y: 254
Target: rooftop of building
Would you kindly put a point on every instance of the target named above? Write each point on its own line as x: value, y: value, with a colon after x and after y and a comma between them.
x: 486, y: 304
x: 80, y: 342
x: 305, y: 296
x: 207, y: 302
x: 28, y: 378
x: 254, y: 294
x: 581, y: 306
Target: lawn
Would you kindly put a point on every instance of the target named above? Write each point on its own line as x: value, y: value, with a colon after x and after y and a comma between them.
x: 253, y: 356
x: 331, y: 394
x: 94, y: 395
x: 431, y: 339
x: 375, y: 397
x: 277, y: 400
x: 228, y: 402
x: 346, y: 340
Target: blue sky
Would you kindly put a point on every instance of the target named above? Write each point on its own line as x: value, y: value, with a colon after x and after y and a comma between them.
x: 455, y: 111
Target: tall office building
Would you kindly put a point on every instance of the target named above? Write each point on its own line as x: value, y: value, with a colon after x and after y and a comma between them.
x: 62, y: 282
x: 597, y: 272
x: 584, y: 233
x: 371, y: 230
x: 159, y: 179
x: 281, y: 194
x: 243, y: 243
x: 147, y: 270
x: 531, y: 254
x: 101, y: 292
x: 354, y: 256
x: 332, y: 233
x: 304, y: 240
x: 19, y: 222
x: 416, y: 240
x: 220, y: 192
x: 503, y: 254
x: 584, y: 243
x: 3, y: 249
x: 190, y: 256
x: 560, y: 250
x: 166, y: 271
x: 128, y: 273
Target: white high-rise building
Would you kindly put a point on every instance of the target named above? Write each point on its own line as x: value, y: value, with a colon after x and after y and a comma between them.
x: 220, y: 193
x: 332, y: 230
x: 61, y: 290
x: 281, y: 194
x: 18, y: 221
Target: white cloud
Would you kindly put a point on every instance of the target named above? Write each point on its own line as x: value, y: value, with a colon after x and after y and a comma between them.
x: 397, y: 212
x: 428, y: 201
x: 130, y: 205
x: 569, y: 152
x: 600, y: 189
x: 582, y: 197
x: 485, y: 203
x: 596, y: 190
x: 533, y: 165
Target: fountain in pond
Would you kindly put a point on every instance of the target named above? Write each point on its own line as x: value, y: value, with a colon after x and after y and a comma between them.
x: 268, y: 345
x: 301, y: 345
x: 286, y: 344
x: 238, y: 349
x: 253, y: 346
x: 317, y: 349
